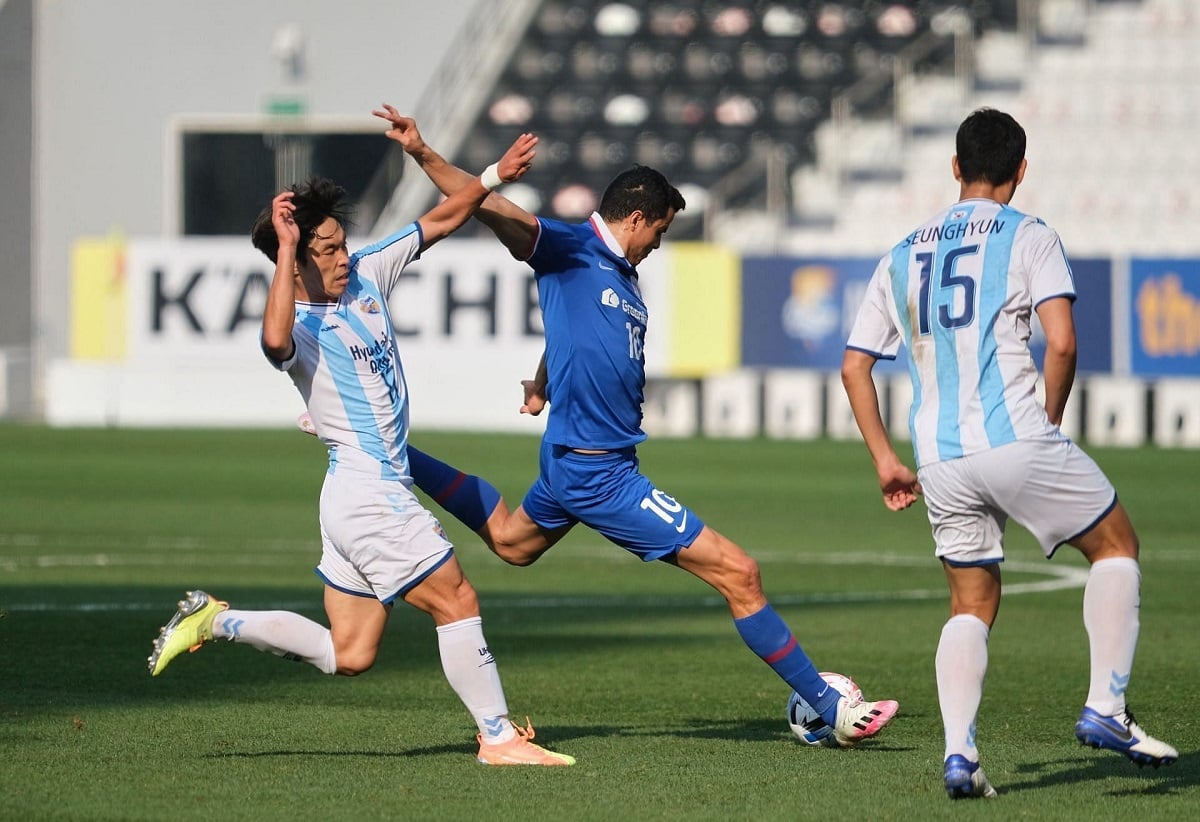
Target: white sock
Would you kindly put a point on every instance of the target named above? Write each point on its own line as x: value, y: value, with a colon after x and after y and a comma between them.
x: 1110, y: 614
x: 471, y: 671
x: 961, y: 663
x: 282, y: 633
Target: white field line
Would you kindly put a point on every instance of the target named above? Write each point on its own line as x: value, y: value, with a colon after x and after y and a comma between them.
x: 1060, y: 577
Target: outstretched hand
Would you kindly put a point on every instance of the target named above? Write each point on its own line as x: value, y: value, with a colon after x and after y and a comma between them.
x: 404, y: 129
x: 518, y: 159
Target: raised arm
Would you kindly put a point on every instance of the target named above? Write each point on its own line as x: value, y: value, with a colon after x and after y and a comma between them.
x: 516, y: 228
x: 1058, y: 371
x: 448, y: 216
x: 280, y: 313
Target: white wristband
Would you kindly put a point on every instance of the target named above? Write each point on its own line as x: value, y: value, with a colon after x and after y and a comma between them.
x: 491, y: 177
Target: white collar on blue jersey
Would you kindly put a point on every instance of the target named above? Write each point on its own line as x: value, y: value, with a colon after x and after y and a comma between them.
x: 602, y: 230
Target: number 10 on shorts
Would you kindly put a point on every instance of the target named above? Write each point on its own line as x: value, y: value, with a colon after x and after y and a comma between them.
x: 665, y: 507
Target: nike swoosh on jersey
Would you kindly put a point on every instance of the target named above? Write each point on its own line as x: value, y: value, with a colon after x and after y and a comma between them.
x: 606, y: 266
x: 679, y: 528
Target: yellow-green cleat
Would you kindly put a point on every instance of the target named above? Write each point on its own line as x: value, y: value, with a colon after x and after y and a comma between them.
x: 190, y: 628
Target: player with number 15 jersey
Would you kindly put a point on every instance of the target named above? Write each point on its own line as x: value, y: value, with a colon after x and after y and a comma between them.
x: 962, y: 288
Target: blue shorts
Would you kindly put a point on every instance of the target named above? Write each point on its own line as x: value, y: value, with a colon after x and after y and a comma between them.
x: 607, y: 493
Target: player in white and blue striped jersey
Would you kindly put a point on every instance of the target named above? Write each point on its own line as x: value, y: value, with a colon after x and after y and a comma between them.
x: 960, y: 292
x: 327, y: 324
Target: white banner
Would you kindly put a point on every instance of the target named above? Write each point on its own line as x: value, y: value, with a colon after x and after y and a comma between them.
x: 466, y: 316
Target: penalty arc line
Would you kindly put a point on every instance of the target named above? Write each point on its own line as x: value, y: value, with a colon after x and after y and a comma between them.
x: 1062, y: 577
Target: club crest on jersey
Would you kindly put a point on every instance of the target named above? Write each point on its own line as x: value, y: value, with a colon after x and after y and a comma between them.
x: 609, y: 297
x: 368, y: 305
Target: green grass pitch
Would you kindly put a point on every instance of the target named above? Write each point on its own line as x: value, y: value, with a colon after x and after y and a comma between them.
x: 635, y: 670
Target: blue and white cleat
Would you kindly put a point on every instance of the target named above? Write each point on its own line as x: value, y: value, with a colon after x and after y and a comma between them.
x: 965, y: 780
x: 1121, y: 733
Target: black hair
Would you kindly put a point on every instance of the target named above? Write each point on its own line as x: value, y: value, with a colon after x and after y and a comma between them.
x: 643, y: 189
x: 316, y: 200
x: 990, y: 146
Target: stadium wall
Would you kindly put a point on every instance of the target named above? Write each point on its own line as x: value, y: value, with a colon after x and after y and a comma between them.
x: 164, y: 332
x: 110, y: 79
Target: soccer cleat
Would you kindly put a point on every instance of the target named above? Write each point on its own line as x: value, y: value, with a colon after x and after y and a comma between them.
x: 965, y: 779
x: 190, y: 628
x: 520, y: 750
x: 1121, y: 733
x: 858, y: 719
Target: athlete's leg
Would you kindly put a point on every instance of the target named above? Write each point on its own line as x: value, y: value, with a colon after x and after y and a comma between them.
x: 201, y: 618
x: 356, y: 624
x: 511, y: 535
x: 1110, y: 608
x: 962, y: 653
x: 1111, y: 603
x: 470, y: 668
x: 516, y: 538
x: 468, y: 498
x: 974, y: 590
x: 723, y: 564
x: 282, y: 633
x: 450, y: 600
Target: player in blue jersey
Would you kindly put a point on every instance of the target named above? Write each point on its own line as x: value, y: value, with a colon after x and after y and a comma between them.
x: 327, y: 324
x: 592, y: 377
x: 959, y: 292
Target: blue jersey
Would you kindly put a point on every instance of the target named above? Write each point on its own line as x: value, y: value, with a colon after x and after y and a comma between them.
x: 595, y: 323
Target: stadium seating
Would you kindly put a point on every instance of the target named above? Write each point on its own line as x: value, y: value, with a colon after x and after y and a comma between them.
x: 703, y: 91
x: 735, y: 101
x: 1110, y: 164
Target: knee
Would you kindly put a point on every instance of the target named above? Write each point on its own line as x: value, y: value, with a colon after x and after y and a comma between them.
x: 742, y: 574
x: 458, y: 603
x: 352, y: 662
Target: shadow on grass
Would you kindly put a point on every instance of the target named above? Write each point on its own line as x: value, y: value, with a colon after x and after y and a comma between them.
x: 752, y: 731
x: 1168, y: 780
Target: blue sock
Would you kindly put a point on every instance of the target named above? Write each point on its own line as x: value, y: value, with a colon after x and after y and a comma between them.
x: 469, y: 499
x: 770, y: 638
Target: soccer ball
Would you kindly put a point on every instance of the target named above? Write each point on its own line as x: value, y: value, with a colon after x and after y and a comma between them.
x: 806, y: 723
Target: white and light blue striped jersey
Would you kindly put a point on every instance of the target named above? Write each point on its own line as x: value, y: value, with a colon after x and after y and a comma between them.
x: 959, y: 292
x: 347, y: 367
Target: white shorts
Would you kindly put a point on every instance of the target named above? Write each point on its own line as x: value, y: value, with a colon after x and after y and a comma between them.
x: 377, y: 540
x: 1051, y: 487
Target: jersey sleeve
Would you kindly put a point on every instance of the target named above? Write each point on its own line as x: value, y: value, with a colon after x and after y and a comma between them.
x: 873, y: 331
x: 383, y: 261
x: 279, y: 365
x: 1045, y: 263
x: 552, y: 237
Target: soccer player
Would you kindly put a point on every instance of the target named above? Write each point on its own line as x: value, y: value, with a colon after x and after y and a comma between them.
x: 592, y: 375
x: 327, y: 325
x: 959, y: 291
